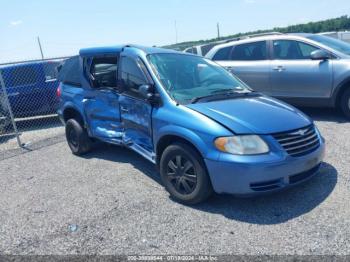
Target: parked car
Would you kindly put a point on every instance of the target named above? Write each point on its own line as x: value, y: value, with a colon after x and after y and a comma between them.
x: 203, y: 128
x: 344, y: 36
x: 31, y: 88
x: 302, y: 69
x: 200, y: 50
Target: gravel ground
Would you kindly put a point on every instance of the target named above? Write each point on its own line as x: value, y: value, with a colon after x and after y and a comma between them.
x: 32, y: 131
x: 111, y: 202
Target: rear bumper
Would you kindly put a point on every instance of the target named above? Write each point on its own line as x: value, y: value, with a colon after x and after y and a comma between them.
x: 255, y: 177
x: 60, y: 116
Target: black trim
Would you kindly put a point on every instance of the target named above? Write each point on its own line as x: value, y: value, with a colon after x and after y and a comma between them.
x: 72, y: 83
x: 294, y: 179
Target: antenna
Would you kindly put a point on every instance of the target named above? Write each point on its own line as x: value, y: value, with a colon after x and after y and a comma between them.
x: 41, y: 50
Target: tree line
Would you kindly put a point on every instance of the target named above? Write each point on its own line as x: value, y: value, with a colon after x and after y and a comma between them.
x: 335, y: 24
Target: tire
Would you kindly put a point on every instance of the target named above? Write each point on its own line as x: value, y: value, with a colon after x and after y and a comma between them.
x: 5, y: 123
x: 184, y: 174
x: 345, y: 103
x: 77, y: 138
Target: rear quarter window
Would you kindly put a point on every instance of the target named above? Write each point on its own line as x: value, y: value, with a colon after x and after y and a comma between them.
x: 50, y: 70
x: 223, y: 54
x: 250, y: 52
x: 70, y: 72
x: 206, y: 48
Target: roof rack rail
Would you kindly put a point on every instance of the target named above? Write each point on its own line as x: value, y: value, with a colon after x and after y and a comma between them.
x: 249, y: 36
x: 232, y: 39
x: 224, y: 41
x: 263, y: 34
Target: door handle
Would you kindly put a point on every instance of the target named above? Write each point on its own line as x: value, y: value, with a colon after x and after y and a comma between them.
x: 50, y: 80
x: 279, y: 68
x: 230, y: 68
x: 13, y: 94
x: 124, y: 109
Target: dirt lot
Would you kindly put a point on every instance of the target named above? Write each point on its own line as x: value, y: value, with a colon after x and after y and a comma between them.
x: 111, y: 202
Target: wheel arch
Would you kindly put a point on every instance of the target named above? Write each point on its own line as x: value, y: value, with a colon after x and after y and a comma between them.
x: 202, y: 143
x: 342, y: 87
x: 71, y: 112
x: 169, y: 139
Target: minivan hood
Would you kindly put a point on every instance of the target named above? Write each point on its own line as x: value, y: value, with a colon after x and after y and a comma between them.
x: 253, y: 115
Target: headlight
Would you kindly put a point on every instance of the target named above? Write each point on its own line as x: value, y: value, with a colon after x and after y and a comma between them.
x: 242, y: 145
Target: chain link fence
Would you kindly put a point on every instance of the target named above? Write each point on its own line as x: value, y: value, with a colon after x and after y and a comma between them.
x: 28, y: 104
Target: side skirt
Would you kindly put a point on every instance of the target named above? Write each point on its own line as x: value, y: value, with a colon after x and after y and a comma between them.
x: 150, y: 156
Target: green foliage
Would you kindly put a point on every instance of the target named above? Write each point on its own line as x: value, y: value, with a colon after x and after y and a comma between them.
x: 334, y: 24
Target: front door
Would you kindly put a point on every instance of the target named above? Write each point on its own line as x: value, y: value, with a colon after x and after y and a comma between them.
x: 101, y: 101
x: 250, y: 63
x: 295, y: 75
x: 136, y: 112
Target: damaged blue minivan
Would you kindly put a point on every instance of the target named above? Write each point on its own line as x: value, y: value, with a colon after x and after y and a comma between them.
x: 204, y: 128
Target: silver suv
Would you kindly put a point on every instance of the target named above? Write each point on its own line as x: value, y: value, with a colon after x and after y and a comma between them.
x: 302, y: 69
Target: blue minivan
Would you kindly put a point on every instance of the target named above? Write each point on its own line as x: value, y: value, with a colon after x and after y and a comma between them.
x: 31, y: 88
x: 204, y: 128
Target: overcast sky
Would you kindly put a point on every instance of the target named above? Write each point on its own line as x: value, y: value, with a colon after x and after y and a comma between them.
x: 65, y: 26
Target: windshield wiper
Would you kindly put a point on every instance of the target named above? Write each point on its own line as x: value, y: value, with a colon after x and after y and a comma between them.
x: 223, y: 93
x: 231, y: 90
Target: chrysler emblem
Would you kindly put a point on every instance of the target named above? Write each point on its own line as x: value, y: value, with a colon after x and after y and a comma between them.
x: 300, y: 132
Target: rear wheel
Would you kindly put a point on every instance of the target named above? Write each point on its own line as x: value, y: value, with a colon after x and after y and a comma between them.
x: 345, y: 103
x: 184, y: 174
x: 5, y: 122
x: 77, y: 138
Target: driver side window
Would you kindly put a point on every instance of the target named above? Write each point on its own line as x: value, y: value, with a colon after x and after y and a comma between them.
x: 292, y: 50
x: 132, y: 76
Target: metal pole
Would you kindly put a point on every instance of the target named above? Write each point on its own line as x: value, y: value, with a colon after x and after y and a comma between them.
x: 2, y: 83
x: 41, y: 50
x: 218, y: 28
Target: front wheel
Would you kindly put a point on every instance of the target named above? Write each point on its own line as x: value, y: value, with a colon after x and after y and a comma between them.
x: 77, y: 138
x: 345, y: 103
x: 184, y: 175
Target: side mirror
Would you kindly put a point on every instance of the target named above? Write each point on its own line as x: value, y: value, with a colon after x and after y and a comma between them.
x: 147, y: 92
x: 320, y: 55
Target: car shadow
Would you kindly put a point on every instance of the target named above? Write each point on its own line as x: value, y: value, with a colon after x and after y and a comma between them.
x: 325, y: 114
x: 124, y: 155
x: 268, y: 209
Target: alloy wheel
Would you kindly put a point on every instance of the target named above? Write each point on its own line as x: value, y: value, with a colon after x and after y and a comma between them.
x: 182, y: 175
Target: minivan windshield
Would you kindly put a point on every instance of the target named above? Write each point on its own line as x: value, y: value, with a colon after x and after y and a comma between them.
x: 188, y: 77
x: 336, y: 44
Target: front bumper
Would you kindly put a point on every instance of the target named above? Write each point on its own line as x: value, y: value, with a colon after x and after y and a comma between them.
x: 256, y: 175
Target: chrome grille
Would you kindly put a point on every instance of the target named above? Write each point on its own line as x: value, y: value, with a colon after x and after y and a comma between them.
x: 299, y: 142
